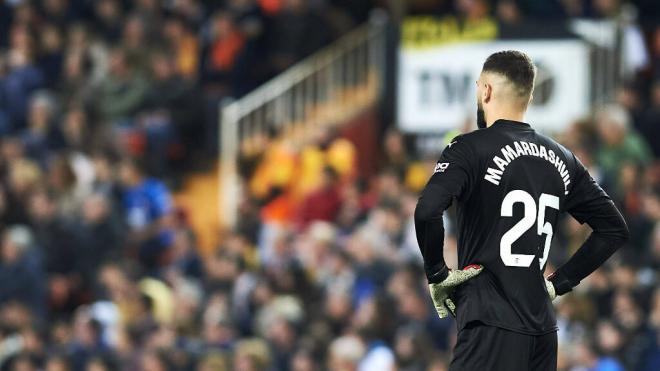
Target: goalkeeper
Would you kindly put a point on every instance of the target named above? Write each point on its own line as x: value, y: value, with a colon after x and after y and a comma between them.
x: 510, y: 185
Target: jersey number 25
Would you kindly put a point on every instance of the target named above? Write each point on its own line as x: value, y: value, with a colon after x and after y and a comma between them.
x: 531, y: 215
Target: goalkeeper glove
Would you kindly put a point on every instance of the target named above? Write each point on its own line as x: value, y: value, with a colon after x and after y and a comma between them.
x: 442, y: 284
x: 558, y: 284
x: 551, y: 290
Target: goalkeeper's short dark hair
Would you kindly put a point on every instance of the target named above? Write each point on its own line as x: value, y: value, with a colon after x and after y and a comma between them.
x: 516, y: 66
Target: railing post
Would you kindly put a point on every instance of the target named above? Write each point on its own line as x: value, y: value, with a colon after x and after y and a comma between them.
x: 229, y: 178
x: 377, y: 46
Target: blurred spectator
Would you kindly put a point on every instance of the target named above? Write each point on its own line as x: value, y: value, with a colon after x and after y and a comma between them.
x: 59, y: 250
x: 508, y: 11
x: 252, y: 355
x: 170, y: 111
x: 148, y: 213
x: 86, y: 342
x: 135, y: 42
x: 51, y: 58
x: 74, y: 84
x: 108, y: 19
x: 99, y: 233
x: 296, y: 30
x: 222, y: 55
x: 323, y: 203
x: 23, y: 77
x: 41, y: 135
x: 396, y: 153
x: 345, y: 353
x: 184, y: 45
x: 621, y: 144
x: 21, y: 270
x: 648, y: 122
x: 122, y: 92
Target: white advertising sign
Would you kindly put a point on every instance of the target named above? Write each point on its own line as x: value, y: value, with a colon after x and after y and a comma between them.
x: 437, y: 90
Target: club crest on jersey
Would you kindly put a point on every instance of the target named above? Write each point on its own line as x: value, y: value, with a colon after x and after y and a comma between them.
x: 440, y: 167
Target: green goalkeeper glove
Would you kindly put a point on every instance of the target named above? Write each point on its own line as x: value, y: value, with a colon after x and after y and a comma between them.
x: 441, y: 290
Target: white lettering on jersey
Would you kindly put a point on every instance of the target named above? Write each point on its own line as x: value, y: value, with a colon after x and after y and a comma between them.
x: 494, y: 174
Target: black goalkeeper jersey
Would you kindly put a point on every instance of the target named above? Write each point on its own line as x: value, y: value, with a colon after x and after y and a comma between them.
x: 510, y: 185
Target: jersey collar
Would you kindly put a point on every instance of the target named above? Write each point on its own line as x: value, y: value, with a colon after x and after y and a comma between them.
x: 511, y: 123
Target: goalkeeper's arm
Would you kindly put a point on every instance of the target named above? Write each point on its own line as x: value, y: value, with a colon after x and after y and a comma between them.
x: 430, y: 235
x: 609, y: 234
x: 588, y: 203
x: 451, y: 179
x: 430, y: 230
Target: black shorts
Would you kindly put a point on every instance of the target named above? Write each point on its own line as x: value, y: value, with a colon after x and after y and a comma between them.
x: 483, y: 347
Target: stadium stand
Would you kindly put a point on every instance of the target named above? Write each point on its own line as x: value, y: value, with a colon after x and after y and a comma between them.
x: 111, y: 255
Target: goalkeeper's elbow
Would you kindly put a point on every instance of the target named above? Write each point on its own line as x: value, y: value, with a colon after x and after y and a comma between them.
x: 433, y: 202
x: 624, y: 233
x: 423, y: 212
x: 612, y: 229
x: 618, y: 232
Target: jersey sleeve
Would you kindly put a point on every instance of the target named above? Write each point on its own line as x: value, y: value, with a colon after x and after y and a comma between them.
x: 454, y: 170
x: 451, y: 178
x: 587, y: 199
x: 587, y: 202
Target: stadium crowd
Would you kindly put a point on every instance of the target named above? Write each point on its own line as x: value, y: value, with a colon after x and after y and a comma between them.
x: 102, y: 104
x: 150, y: 74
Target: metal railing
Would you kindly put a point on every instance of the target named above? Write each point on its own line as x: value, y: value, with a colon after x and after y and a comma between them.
x: 345, y: 77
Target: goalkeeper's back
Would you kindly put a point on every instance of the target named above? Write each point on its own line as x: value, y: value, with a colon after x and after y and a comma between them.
x: 518, y: 183
x: 510, y: 185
